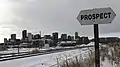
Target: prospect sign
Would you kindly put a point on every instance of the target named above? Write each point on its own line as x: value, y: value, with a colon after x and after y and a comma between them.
x: 96, y: 16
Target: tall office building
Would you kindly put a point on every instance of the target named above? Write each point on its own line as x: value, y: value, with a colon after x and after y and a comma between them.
x: 13, y: 36
x: 63, y: 37
x: 72, y: 38
x: 24, y: 34
x: 69, y: 38
x: 5, y: 40
x: 40, y: 33
x: 76, y: 35
x: 55, y: 38
x: 29, y: 36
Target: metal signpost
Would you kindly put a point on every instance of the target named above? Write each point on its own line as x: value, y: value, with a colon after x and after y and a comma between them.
x: 94, y: 17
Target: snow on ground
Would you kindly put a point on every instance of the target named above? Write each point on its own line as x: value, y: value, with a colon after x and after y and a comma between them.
x: 106, y: 63
x: 15, y: 50
x: 90, y: 44
x: 42, y: 60
x: 50, y: 59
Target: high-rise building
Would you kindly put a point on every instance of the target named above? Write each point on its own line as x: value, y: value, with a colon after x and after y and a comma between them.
x: 24, y: 34
x: 64, y: 37
x: 76, y: 35
x: 69, y: 38
x: 5, y: 40
x: 55, y: 38
x: 72, y: 38
x: 40, y: 33
x: 29, y: 36
x: 13, y: 36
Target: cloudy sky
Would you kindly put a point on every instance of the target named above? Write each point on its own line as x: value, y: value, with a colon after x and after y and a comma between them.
x: 53, y: 15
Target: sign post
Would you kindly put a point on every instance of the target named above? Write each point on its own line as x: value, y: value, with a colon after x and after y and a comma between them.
x: 96, y: 39
x: 95, y: 17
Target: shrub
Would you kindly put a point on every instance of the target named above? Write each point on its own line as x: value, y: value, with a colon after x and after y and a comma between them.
x: 35, y: 51
x: 78, y: 61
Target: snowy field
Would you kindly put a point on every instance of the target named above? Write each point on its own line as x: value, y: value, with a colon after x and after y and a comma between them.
x: 50, y: 60
x: 15, y: 50
x: 42, y: 60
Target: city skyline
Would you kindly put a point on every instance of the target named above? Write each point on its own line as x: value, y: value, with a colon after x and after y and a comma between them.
x: 24, y: 34
x: 42, y: 34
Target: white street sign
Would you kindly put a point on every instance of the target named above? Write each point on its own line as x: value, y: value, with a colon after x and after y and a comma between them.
x: 96, y: 16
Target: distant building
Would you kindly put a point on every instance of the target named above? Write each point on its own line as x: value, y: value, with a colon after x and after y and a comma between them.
x: 112, y: 39
x: 72, y: 38
x: 13, y: 36
x: 108, y: 39
x: 37, y: 36
x: 5, y: 41
x: 30, y: 37
x: 24, y: 34
x: 84, y: 40
x: 18, y: 41
x: 12, y: 42
x: 64, y: 37
x: 55, y: 38
x: 3, y: 46
x: 67, y: 43
x: 47, y: 36
x: 76, y: 35
x: 69, y: 38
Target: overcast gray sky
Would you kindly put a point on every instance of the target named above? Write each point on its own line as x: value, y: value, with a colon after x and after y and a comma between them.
x: 53, y: 15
